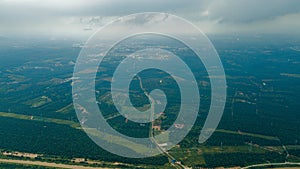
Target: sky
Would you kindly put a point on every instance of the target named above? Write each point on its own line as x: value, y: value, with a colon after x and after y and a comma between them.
x: 68, y: 18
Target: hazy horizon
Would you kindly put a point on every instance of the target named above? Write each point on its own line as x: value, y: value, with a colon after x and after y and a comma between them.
x: 80, y: 19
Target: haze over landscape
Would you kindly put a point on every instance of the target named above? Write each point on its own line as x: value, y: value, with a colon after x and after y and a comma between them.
x: 48, y: 50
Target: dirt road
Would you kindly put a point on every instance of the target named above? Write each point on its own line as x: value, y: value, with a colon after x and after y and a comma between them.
x: 47, y: 164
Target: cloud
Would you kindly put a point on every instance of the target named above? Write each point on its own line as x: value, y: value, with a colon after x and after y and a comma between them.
x: 73, y: 17
x: 251, y: 11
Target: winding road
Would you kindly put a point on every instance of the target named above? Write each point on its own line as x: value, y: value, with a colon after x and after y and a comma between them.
x: 151, y: 136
